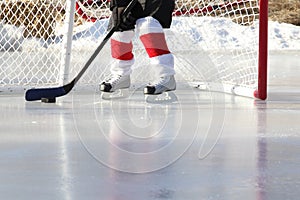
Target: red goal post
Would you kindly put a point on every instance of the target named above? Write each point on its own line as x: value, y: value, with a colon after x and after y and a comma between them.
x: 261, y: 92
x: 215, y: 43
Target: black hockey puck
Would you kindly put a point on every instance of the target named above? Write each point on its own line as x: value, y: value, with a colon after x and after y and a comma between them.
x: 48, y: 100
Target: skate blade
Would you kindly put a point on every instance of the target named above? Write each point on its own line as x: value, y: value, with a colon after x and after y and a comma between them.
x: 163, y: 98
x: 118, y: 94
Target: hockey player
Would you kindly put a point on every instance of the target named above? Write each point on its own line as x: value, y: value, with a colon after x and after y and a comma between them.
x: 147, y: 19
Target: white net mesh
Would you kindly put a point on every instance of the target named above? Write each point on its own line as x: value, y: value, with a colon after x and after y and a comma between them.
x: 213, y: 42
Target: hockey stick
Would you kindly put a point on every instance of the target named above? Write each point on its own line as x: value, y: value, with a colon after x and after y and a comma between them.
x: 49, y: 94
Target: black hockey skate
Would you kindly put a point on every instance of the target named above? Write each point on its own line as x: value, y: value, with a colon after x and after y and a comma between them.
x: 164, y: 84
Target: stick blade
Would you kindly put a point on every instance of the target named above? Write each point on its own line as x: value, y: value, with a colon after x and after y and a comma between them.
x: 49, y: 93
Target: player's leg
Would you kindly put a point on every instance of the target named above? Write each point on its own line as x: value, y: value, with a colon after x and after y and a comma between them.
x: 121, y: 52
x: 153, y: 38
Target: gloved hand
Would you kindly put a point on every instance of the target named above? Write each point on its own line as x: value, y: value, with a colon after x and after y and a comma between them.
x: 121, y: 21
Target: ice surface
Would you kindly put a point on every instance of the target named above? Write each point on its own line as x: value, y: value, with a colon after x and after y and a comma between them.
x: 200, y: 146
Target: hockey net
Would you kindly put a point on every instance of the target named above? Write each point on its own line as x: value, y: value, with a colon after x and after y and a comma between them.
x: 45, y: 43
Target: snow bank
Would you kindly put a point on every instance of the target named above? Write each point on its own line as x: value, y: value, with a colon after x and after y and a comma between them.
x: 221, y: 31
x: 284, y: 36
x: 10, y: 37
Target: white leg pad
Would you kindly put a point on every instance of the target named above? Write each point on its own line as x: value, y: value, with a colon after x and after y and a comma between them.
x: 125, y: 36
x: 163, y: 65
x: 121, y: 67
x: 148, y: 25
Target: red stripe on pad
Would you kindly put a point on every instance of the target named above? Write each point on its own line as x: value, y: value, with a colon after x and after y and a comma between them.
x: 155, y: 44
x: 121, y: 50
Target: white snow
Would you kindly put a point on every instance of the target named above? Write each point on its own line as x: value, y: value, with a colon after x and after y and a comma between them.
x: 284, y: 36
x: 10, y: 37
x: 220, y: 30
